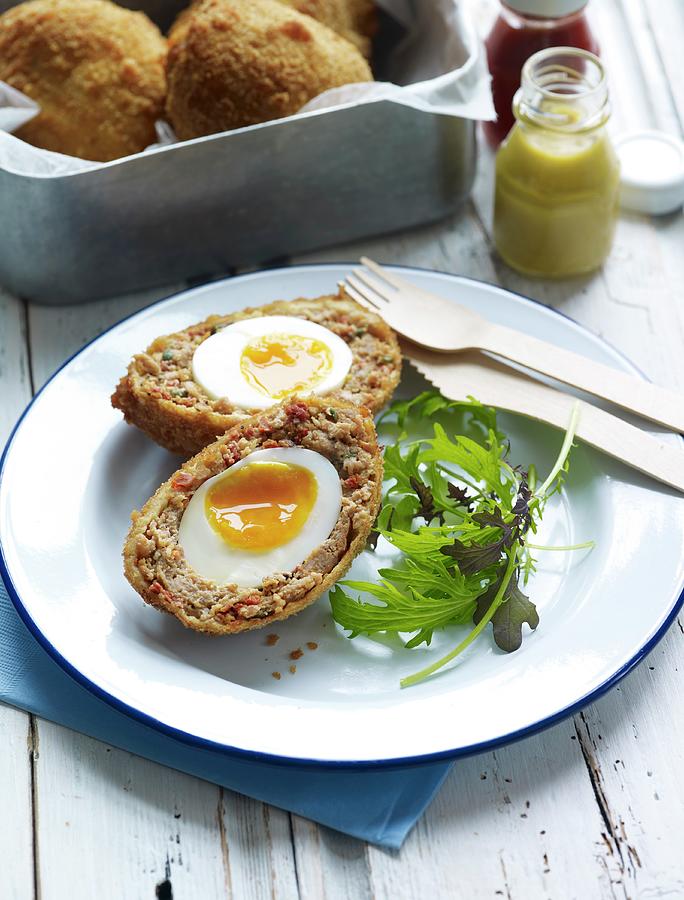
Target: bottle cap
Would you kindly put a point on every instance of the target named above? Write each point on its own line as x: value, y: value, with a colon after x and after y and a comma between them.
x: 651, y: 172
x: 545, y: 9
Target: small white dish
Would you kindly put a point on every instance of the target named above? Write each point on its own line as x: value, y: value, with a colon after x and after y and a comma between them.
x: 651, y: 172
x: 73, y: 471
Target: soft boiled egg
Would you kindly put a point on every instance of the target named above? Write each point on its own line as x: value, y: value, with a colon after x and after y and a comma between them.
x: 265, y: 514
x: 258, y: 362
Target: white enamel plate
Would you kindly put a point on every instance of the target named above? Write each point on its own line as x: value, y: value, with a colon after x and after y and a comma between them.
x: 73, y: 471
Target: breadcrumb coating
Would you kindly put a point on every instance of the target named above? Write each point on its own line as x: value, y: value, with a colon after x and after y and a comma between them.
x: 234, y: 63
x: 364, y: 16
x: 95, y: 69
x: 353, y: 19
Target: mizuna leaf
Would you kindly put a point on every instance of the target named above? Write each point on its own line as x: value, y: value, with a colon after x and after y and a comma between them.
x: 426, y: 509
x: 458, y: 513
x: 460, y: 495
x: 391, y: 611
x: 472, y: 558
x: 507, y: 622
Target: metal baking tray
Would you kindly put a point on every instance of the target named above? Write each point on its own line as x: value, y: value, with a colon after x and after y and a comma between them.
x: 203, y: 207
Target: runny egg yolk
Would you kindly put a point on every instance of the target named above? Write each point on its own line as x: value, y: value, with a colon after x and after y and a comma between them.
x: 262, y: 505
x: 282, y: 364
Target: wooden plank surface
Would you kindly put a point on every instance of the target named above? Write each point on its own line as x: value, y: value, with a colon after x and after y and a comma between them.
x: 129, y: 826
x: 591, y: 809
x: 17, y: 757
x: 115, y: 822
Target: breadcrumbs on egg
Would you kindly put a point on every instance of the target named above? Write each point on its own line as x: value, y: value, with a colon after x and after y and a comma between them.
x: 160, y: 396
x: 169, y: 583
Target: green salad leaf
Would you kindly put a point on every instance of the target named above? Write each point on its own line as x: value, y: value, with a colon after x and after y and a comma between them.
x: 459, y: 514
x: 508, y: 620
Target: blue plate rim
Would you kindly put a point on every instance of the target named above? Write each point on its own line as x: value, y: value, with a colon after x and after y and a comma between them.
x: 274, y: 759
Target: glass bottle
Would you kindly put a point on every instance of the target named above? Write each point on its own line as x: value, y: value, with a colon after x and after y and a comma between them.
x: 557, y: 174
x: 522, y: 28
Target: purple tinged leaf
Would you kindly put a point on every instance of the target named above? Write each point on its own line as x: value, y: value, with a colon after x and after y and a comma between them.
x: 516, y: 609
x: 473, y: 558
x: 460, y: 495
x: 426, y: 499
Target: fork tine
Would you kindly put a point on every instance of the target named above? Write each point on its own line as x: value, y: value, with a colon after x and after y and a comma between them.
x: 366, y: 291
x: 380, y: 288
x: 359, y: 298
x: 391, y: 279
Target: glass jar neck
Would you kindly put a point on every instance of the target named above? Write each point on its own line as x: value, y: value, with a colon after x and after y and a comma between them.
x: 563, y: 89
x: 517, y: 19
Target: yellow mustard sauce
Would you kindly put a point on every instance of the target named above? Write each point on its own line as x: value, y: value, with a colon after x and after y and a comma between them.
x: 556, y: 200
x: 557, y: 175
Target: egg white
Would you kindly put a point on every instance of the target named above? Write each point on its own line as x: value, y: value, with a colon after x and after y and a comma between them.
x: 212, y: 558
x: 216, y: 362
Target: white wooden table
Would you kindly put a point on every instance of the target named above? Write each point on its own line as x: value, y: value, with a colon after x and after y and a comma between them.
x: 593, y: 808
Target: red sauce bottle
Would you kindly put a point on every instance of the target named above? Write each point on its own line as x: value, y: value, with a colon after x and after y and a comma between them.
x: 522, y: 28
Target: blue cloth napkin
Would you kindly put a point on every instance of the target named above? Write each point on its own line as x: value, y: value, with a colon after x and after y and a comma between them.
x: 380, y: 806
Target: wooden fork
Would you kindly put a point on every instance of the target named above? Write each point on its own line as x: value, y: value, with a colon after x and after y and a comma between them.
x: 447, y: 327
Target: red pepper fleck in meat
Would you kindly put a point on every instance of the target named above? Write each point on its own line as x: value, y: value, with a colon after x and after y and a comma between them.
x: 182, y: 481
x: 352, y: 482
x: 231, y: 453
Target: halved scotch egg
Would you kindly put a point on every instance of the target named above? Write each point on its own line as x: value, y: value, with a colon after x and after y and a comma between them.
x: 261, y: 522
x: 187, y: 388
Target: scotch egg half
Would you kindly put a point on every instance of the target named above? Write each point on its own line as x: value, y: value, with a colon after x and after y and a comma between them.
x: 262, y: 522
x: 189, y: 387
